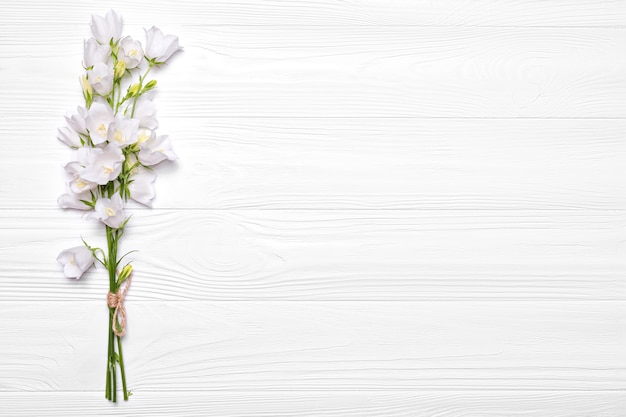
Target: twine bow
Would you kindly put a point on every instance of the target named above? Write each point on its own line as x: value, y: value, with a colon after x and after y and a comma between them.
x: 116, y: 301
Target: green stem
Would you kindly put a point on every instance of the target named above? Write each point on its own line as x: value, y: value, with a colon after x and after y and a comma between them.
x: 112, y: 247
x: 112, y: 259
x: 107, y: 391
x: 114, y: 378
x: 112, y: 359
x: 116, y: 103
x: 119, y: 348
x: 141, y: 78
x: 113, y: 236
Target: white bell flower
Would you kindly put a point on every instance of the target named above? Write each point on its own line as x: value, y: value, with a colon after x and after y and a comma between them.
x: 142, y: 186
x: 155, y: 150
x: 79, y: 185
x: 145, y: 111
x: 75, y: 168
x: 107, y: 29
x: 77, y: 121
x: 144, y: 135
x: 69, y: 136
x: 99, y: 119
x: 100, y: 77
x: 71, y: 200
x: 160, y: 47
x: 130, y: 52
x: 104, y: 165
x: 123, y: 131
x: 110, y: 211
x: 95, y: 53
x: 76, y: 261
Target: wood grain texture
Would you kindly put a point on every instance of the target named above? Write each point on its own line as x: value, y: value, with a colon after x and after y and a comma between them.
x: 382, y: 208
x: 329, y: 255
x: 323, y: 346
x: 465, y: 164
x: 324, y: 13
x: 325, y: 404
x: 306, y: 71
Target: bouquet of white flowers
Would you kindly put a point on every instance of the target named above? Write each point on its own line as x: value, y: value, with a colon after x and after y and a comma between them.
x: 114, y: 146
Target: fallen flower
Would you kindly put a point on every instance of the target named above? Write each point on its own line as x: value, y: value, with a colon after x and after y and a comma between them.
x: 76, y: 261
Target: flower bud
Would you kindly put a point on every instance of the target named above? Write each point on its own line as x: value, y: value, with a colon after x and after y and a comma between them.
x: 87, y: 89
x: 133, y: 90
x: 151, y: 84
x: 125, y: 273
x: 120, y: 69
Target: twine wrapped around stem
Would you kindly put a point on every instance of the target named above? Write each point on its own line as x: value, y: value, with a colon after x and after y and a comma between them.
x: 116, y: 301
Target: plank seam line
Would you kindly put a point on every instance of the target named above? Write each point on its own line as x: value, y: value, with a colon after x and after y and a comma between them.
x: 331, y: 301
x: 418, y: 390
x: 248, y: 209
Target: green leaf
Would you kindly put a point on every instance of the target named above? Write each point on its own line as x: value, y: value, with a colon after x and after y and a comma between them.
x: 126, y: 221
x: 88, y: 203
x: 125, y: 255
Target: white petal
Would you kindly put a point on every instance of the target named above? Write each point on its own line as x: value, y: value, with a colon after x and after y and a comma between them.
x: 99, y: 119
x: 156, y: 150
x: 142, y: 186
x: 110, y: 211
x: 123, y: 131
x: 95, y: 53
x: 75, y: 261
x: 77, y: 121
x: 130, y: 52
x: 160, y: 47
x: 145, y: 111
x: 104, y: 166
x: 101, y: 78
x: 71, y: 201
x: 69, y: 136
x: 107, y: 28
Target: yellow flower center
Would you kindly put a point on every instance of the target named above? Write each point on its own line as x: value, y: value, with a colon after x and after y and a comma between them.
x: 107, y: 169
x: 102, y: 129
x: 143, y: 136
x: 80, y: 183
x: 72, y: 260
x: 118, y: 136
x: 109, y: 211
x: 132, y: 53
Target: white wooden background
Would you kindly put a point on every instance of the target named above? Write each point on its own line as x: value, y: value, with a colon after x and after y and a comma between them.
x: 381, y: 208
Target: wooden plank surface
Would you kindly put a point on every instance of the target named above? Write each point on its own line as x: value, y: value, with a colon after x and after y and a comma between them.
x: 388, y: 208
x: 325, y: 404
x: 329, y: 255
x: 305, y: 71
x: 327, y: 346
x: 351, y: 163
x: 325, y: 13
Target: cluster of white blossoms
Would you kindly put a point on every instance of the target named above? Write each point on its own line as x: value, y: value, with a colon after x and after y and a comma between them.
x: 113, y: 136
